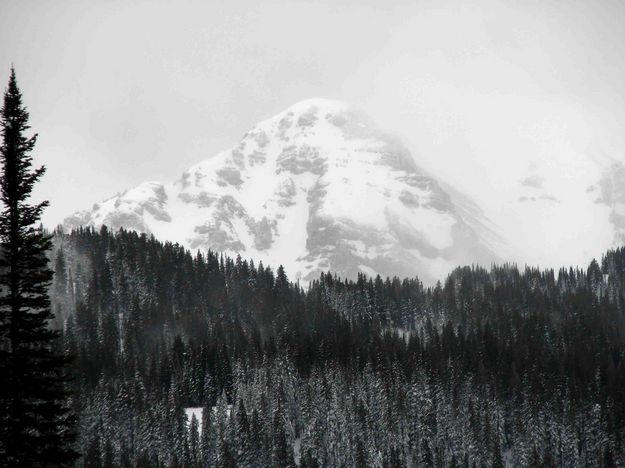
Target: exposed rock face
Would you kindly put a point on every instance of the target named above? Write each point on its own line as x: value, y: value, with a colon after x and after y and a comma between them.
x: 129, y: 210
x: 315, y: 187
x: 612, y: 194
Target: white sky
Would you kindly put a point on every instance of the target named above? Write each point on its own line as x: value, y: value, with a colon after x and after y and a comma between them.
x: 484, y: 92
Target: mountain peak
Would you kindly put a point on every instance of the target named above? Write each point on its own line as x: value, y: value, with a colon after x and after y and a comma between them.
x: 308, y: 115
x: 314, y: 188
x: 323, y: 104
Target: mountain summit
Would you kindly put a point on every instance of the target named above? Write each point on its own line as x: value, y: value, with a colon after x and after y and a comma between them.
x: 315, y: 188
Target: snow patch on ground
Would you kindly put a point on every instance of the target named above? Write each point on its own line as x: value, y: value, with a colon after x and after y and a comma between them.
x: 194, y: 413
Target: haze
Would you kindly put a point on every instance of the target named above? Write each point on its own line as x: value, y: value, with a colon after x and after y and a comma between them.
x: 486, y: 94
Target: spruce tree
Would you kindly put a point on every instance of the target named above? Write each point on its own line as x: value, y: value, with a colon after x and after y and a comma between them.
x: 35, y: 424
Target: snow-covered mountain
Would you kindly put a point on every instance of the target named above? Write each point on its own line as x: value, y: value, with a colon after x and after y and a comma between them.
x: 315, y: 188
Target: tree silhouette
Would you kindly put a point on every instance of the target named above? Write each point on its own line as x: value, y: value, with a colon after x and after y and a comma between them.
x: 35, y: 424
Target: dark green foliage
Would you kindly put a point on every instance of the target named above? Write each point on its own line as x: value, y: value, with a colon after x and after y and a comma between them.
x: 35, y: 426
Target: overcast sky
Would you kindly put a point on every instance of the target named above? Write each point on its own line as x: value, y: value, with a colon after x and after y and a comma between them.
x: 127, y: 91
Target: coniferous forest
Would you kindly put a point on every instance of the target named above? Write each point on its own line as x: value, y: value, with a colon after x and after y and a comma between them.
x: 492, y: 368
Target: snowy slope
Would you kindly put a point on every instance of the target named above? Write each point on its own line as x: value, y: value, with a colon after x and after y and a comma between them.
x: 563, y: 209
x: 315, y: 188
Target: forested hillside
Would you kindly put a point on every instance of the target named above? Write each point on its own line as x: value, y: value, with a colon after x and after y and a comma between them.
x: 492, y: 367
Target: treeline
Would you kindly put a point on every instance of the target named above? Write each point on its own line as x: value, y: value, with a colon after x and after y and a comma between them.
x: 507, y: 366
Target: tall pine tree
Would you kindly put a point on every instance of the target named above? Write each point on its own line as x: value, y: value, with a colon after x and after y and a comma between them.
x: 35, y: 423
